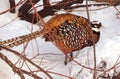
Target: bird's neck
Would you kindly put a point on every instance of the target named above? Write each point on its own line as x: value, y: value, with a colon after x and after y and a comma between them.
x: 96, y: 36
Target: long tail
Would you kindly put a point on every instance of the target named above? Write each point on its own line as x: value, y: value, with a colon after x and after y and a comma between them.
x: 21, y: 39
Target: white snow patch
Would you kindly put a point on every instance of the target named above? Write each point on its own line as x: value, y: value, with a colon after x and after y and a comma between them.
x: 107, y: 49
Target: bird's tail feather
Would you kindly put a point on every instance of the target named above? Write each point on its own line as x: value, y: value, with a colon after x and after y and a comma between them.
x: 21, y: 39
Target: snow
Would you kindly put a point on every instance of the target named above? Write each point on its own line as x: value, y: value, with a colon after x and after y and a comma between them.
x: 107, y: 49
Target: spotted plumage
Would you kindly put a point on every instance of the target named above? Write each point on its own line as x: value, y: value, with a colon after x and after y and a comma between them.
x: 67, y: 31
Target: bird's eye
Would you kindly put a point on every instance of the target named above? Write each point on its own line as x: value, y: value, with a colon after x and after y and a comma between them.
x: 95, y: 26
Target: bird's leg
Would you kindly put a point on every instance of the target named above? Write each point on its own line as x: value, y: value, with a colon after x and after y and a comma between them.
x: 66, y: 60
x: 71, y: 56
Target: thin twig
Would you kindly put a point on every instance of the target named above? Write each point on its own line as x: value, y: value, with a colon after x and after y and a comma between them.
x: 36, y: 14
x: 5, y: 11
x: 17, y: 70
x: 113, y: 67
x: 94, y: 50
x: 25, y: 58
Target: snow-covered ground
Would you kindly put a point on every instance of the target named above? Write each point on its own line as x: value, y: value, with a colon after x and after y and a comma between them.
x: 107, y: 49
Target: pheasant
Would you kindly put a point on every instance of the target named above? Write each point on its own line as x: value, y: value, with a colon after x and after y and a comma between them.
x: 67, y: 31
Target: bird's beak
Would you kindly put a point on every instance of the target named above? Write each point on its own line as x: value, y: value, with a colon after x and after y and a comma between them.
x: 102, y: 27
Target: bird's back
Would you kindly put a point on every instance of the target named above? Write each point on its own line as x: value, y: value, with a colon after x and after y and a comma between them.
x: 68, y: 32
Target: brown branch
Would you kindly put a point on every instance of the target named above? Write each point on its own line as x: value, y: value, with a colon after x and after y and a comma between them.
x: 94, y: 48
x: 77, y: 6
x: 23, y: 10
x: 55, y: 73
x: 65, y: 4
x: 117, y: 63
x: 118, y: 12
x: 17, y: 70
x: 46, y: 2
x: 25, y: 58
x: 14, y: 68
x: 12, y: 4
x: 38, y: 17
x: 11, y: 8
x: 48, y: 10
x: 68, y: 77
x: 52, y: 9
x: 89, y: 68
x: 116, y: 76
x: 8, y: 22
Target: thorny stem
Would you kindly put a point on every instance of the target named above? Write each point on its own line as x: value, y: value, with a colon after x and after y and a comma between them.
x: 94, y: 50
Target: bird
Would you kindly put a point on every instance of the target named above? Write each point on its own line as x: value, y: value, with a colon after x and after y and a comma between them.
x: 68, y: 32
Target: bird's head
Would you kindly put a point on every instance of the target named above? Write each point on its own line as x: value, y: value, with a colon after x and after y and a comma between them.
x: 96, y: 26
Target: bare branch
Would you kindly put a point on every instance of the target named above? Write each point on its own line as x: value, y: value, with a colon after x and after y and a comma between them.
x: 25, y: 58
x: 12, y: 4
x: 17, y: 70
